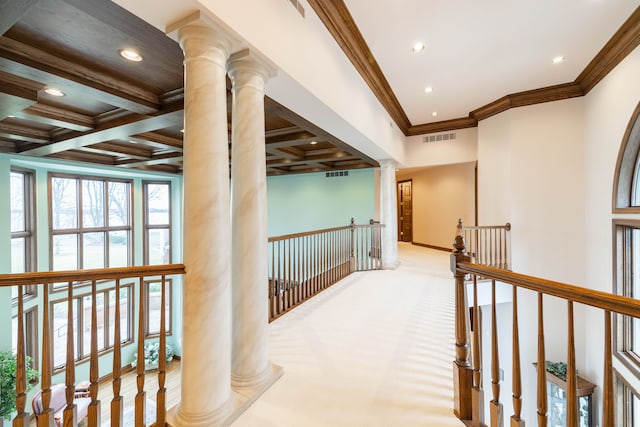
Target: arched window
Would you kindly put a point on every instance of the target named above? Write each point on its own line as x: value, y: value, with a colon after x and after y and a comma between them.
x: 626, y: 200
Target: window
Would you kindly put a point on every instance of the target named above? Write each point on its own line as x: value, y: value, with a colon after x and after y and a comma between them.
x: 22, y: 228
x: 626, y: 199
x: 90, y: 222
x: 153, y: 295
x: 105, y: 309
x: 157, y: 223
x: 30, y: 326
x: 628, y: 284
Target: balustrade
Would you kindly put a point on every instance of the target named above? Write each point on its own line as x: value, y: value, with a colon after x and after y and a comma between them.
x: 468, y: 399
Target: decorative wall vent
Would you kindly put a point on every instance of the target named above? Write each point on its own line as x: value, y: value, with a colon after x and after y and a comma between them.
x: 439, y: 137
x: 296, y: 4
x: 337, y: 173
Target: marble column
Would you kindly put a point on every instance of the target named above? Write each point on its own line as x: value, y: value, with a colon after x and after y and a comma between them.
x: 389, y: 213
x: 206, y: 397
x: 250, y: 367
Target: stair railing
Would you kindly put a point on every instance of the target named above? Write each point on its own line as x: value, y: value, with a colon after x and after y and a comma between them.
x: 303, y: 264
x: 488, y: 244
x: 44, y: 281
x: 468, y: 391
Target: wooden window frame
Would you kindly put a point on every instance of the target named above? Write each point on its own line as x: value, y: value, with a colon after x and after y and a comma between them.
x: 29, y: 232
x: 168, y: 300
x: 30, y: 334
x: 78, y: 344
x: 147, y: 227
x: 79, y: 231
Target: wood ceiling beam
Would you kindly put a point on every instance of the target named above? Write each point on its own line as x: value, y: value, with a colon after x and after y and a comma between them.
x: 32, y: 63
x: 12, y: 11
x: 132, y: 125
x: 80, y: 156
x: 282, y: 131
x: 157, y: 160
x: 16, y: 94
x: 55, y: 116
x: 320, y: 133
x: 120, y: 150
x: 159, y: 141
x: 23, y: 133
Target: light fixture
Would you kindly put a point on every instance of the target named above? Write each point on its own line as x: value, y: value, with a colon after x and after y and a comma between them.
x: 313, y: 142
x: 54, y: 91
x: 428, y: 89
x: 435, y: 113
x: 182, y: 130
x: 419, y: 46
x: 557, y: 59
x: 130, y: 55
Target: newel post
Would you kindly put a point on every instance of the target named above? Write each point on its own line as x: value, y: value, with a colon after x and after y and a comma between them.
x: 462, y: 370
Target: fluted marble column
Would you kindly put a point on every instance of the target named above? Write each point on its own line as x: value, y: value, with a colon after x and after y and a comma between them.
x: 206, y: 397
x: 388, y: 213
x: 250, y: 367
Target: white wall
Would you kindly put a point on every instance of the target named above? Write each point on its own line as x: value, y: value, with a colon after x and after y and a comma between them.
x: 441, y: 195
x: 460, y: 150
x: 548, y: 169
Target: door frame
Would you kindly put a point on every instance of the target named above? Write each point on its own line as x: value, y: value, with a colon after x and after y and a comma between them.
x: 398, y: 208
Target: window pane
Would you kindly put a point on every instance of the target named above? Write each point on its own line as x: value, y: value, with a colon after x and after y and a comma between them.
x: 17, y: 202
x: 60, y: 333
x: 64, y: 203
x: 118, y: 248
x: 158, y: 244
x: 87, y: 304
x: 18, y: 255
x: 92, y: 203
x: 14, y: 335
x: 93, y: 250
x: 154, y: 295
x: 158, y: 204
x: 65, y: 252
x: 125, y: 309
x: 124, y: 315
x: 119, y: 203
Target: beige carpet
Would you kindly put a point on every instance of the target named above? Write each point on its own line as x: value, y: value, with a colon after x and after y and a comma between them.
x: 376, y: 349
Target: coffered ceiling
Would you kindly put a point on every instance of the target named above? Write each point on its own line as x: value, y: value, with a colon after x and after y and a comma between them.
x: 118, y: 112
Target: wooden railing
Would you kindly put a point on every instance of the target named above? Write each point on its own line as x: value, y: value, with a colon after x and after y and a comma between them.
x: 45, y: 281
x: 468, y: 388
x: 488, y: 244
x: 303, y: 264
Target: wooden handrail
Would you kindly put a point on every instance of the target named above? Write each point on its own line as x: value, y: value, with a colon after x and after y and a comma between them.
x: 307, y: 233
x: 591, y: 297
x: 41, y: 277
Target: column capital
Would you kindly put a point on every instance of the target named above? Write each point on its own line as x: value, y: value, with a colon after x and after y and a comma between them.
x: 247, y: 64
x: 199, y: 36
x: 387, y: 163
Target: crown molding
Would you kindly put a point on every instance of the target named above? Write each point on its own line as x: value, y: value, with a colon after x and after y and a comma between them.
x: 336, y: 17
x: 623, y: 42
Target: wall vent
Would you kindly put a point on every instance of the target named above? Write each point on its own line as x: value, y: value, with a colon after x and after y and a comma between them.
x: 337, y: 173
x: 298, y: 6
x: 439, y: 137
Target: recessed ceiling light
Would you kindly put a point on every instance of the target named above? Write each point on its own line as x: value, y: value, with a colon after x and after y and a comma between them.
x: 419, y: 46
x: 313, y: 142
x: 435, y: 113
x: 428, y: 89
x: 558, y: 59
x: 130, y: 55
x: 11, y: 116
x: 54, y: 91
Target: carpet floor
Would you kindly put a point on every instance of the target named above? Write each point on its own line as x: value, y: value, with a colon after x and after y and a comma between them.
x: 375, y: 349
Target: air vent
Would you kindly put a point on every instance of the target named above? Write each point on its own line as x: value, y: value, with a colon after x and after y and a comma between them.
x: 296, y: 4
x: 337, y: 173
x: 439, y: 137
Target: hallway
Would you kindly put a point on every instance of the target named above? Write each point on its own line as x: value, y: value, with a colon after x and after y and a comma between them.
x: 376, y: 349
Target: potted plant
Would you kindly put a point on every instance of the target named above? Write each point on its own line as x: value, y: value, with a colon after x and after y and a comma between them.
x: 8, y: 366
x: 152, y: 355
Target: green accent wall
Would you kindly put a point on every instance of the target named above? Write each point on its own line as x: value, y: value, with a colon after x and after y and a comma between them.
x: 305, y: 202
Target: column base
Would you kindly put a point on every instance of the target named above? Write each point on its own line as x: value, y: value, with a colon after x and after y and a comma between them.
x: 390, y: 266
x: 240, y: 400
